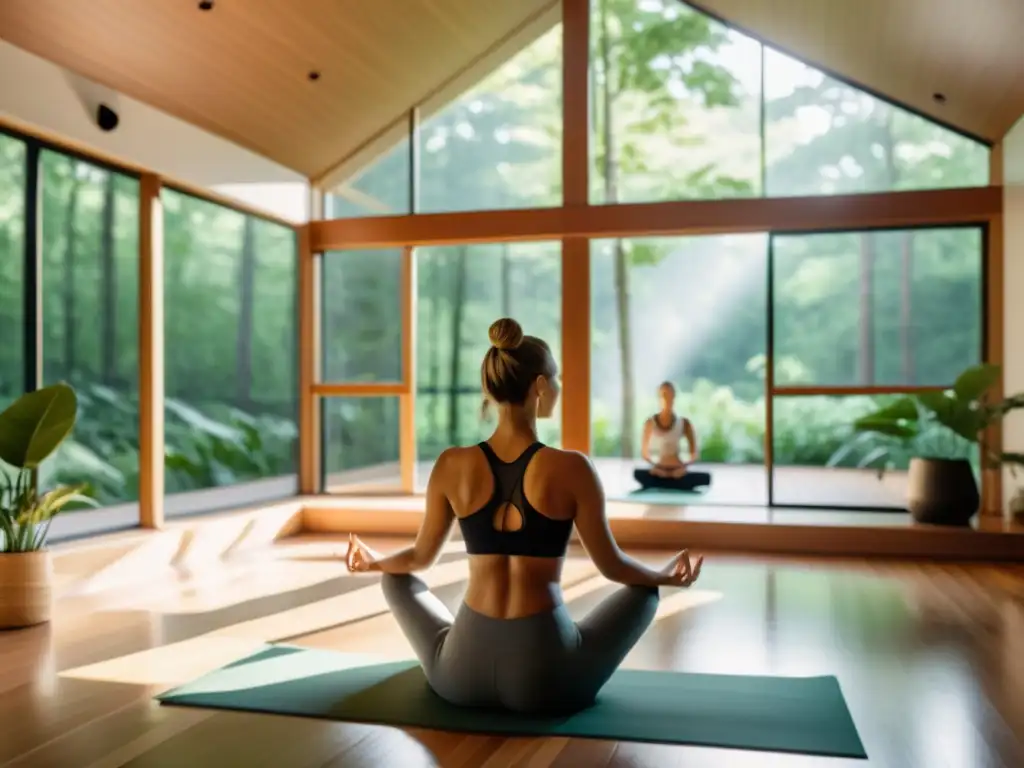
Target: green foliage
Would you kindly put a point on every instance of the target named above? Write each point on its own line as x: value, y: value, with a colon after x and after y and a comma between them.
x: 26, y: 514
x: 948, y: 424
x: 31, y: 429
x: 36, y: 423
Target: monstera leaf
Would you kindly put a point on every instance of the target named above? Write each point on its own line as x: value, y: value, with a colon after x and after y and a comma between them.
x: 35, y: 424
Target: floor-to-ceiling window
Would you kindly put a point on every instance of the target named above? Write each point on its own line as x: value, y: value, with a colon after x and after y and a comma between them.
x: 230, y: 367
x: 690, y: 311
x: 361, y: 334
x: 90, y: 299
x: 12, y: 267
x: 857, y: 317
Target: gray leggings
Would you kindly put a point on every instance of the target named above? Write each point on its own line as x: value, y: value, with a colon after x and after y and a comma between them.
x: 536, y: 664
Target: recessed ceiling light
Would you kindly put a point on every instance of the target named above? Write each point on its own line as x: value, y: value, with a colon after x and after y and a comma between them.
x: 939, y: 98
x: 314, y: 75
x: 205, y: 5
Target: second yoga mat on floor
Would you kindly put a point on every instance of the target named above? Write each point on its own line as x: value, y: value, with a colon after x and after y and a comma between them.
x: 784, y: 714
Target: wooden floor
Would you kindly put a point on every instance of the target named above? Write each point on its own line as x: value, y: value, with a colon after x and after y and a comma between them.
x: 930, y: 657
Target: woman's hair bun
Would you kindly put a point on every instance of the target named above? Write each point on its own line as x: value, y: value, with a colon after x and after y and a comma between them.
x: 505, y: 333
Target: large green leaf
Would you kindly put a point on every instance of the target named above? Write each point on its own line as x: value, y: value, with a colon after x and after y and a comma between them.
x: 961, y: 416
x: 975, y: 382
x: 898, y: 419
x: 891, y: 427
x: 35, y: 424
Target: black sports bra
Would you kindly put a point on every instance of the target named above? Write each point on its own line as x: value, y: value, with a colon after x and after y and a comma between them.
x: 539, y: 536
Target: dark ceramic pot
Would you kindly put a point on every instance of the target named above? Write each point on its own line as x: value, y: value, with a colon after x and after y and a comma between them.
x: 942, y: 491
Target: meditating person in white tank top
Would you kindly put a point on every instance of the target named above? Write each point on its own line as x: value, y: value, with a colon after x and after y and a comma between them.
x: 663, y: 435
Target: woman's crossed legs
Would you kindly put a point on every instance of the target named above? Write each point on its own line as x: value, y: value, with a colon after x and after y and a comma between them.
x: 536, y: 663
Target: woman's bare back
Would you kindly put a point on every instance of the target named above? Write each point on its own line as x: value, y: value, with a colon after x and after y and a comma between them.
x: 504, y: 586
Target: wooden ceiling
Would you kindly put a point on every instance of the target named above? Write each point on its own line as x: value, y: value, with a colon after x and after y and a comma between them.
x: 241, y: 69
x: 907, y: 50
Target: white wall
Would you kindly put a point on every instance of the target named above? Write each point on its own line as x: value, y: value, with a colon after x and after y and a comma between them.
x: 1013, y: 292
x: 44, y: 96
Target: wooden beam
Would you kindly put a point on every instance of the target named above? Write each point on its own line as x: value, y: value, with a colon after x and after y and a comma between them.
x: 151, y: 353
x: 407, y: 400
x: 973, y: 205
x: 994, y: 338
x: 309, y: 364
x: 812, y: 391
x: 576, y: 390
x: 364, y: 389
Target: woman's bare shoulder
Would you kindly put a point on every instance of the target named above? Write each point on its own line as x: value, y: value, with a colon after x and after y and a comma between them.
x: 574, y: 462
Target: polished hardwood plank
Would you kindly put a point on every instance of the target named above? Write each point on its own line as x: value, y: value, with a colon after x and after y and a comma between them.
x: 930, y: 657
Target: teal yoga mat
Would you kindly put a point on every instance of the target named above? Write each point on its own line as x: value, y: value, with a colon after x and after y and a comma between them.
x: 783, y: 714
x: 663, y: 497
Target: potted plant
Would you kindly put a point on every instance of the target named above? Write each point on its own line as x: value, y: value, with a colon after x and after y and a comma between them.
x: 939, y: 432
x: 31, y: 429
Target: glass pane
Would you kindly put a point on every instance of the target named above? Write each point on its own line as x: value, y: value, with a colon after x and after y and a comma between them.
x: 379, y: 189
x: 12, y: 265
x: 361, y: 319
x: 691, y: 311
x: 230, y: 356
x: 460, y: 291
x: 825, y: 137
x: 873, y: 308
x: 499, y: 145
x: 360, y: 444
x: 90, y: 231
x: 676, y: 105
x: 813, y: 432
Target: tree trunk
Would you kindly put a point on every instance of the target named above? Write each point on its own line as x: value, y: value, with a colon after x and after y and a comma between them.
x: 243, y: 343
x: 506, y: 281
x: 892, y: 172
x: 458, y: 309
x: 610, y: 179
x: 435, y: 281
x: 70, y: 289
x: 866, y: 364
x: 108, y: 289
x: 907, y: 306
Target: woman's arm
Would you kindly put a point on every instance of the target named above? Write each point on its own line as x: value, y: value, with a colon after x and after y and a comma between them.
x: 433, y: 533
x: 645, y: 443
x: 691, y: 438
x: 596, y: 535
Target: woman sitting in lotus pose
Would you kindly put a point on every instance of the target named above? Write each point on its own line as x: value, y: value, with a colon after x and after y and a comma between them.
x: 663, y: 434
x: 512, y: 643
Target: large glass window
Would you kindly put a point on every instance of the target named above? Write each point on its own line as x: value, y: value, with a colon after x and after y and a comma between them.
x: 676, y: 105
x: 460, y: 291
x: 361, y: 318
x: 12, y: 265
x: 499, y: 145
x: 814, y: 465
x: 360, y: 444
x: 874, y: 308
x: 691, y: 311
x: 871, y: 310
x: 230, y: 356
x: 824, y: 137
x: 381, y: 188
x: 686, y: 108
x: 90, y: 295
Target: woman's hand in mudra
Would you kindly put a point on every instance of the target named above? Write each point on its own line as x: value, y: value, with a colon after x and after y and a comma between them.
x: 680, y: 572
x: 359, y: 558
